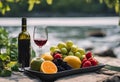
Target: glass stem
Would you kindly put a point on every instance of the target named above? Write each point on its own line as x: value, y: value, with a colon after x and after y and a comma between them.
x: 40, y: 52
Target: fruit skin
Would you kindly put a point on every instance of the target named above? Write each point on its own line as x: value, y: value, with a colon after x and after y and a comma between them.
x: 86, y: 64
x: 88, y: 54
x: 64, y: 50
x: 69, y: 43
x: 55, y: 51
x: 57, y: 56
x: 73, y: 61
x: 48, y: 67
x: 36, y: 63
x: 82, y: 57
x: 93, y: 61
x: 84, y: 60
x: 71, y: 53
x: 81, y: 50
x: 74, y: 48
x: 52, y: 48
x: 61, y: 65
x: 47, y: 56
x: 78, y: 54
x: 61, y: 45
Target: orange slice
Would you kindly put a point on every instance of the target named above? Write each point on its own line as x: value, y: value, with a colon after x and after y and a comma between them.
x: 48, y: 67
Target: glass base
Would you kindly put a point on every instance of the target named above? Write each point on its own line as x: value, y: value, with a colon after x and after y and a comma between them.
x: 21, y: 69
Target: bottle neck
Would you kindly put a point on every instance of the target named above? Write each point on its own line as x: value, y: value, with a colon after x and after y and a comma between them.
x: 24, y: 24
x: 24, y: 28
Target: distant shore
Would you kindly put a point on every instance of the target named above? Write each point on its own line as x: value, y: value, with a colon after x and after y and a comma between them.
x: 61, y: 21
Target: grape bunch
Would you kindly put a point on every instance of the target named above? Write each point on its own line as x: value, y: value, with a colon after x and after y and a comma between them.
x: 61, y: 65
x: 66, y: 49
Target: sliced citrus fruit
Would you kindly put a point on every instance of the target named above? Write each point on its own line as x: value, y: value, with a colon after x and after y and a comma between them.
x: 47, y: 56
x: 48, y: 67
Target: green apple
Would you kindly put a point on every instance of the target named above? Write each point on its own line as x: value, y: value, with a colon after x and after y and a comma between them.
x: 36, y: 63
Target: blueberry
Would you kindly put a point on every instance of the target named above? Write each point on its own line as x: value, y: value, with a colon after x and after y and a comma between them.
x: 59, y: 61
x: 60, y: 68
x: 66, y: 66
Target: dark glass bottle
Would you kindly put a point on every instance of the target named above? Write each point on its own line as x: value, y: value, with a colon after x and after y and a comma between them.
x: 24, y: 46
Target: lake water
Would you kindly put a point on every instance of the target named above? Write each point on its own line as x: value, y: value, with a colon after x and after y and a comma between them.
x: 78, y: 30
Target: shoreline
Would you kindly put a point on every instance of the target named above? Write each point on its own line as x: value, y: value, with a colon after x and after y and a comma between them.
x: 61, y: 21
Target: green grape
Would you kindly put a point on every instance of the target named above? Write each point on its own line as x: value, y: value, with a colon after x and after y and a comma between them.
x: 61, y: 45
x: 71, y: 53
x: 63, y: 56
x: 52, y: 48
x: 81, y: 58
x: 69, y: 43
x: 56, y: 50
x: 64, y: 50
x: 81, y: 50
x: 74, y: 48
x: 78, y: 54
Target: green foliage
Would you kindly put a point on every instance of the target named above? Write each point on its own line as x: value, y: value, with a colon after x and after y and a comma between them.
x: 8, y: 53
x: 32, y: 3
x: 5, y: 4
x: 112, y: 4
x: 8, y: 46
x: 3, y: 37
x: 6, y: 72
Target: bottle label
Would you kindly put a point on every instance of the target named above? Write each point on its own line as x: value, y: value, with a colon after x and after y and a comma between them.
x: 24, y: 52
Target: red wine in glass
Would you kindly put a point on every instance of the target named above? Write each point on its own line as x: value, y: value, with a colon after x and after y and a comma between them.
x: 41, y: 42
x: 40, y: 36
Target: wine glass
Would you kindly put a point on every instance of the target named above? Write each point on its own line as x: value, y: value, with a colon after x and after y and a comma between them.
x: 40, y: 36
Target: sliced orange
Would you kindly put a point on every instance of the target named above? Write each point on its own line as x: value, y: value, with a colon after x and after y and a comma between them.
x: 48, y: 67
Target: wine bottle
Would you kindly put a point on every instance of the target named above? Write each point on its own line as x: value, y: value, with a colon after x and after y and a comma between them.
x: 24, y: 46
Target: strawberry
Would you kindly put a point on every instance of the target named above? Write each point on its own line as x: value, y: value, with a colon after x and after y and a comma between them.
x: 93, y: 61
x: 86, y: 64
x: 84, y: 59
x: 57, y: 56
x: 55, y: 53
x: 88, y: 54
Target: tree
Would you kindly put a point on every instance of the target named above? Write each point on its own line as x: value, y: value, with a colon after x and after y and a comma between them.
x: 5, y: 4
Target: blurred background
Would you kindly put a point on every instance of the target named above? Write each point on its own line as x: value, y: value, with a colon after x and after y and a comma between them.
x: 90, y: 24
x: 59, y: 8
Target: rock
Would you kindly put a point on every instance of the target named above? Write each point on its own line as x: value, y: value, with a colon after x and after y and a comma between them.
x: 104, y: 51
x: 97, y: 33
x: 117, y: 51
x: 86, y: 44
x: 114, y: 78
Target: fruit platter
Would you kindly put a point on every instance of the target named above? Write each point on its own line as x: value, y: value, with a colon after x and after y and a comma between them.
x: 64, y: 59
